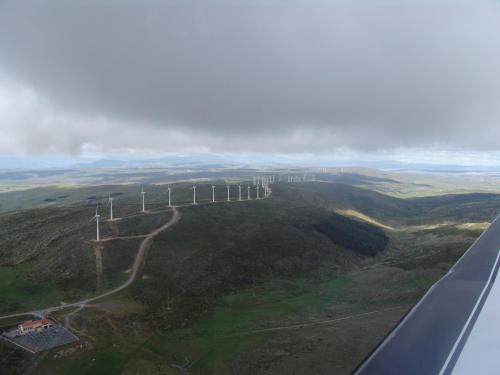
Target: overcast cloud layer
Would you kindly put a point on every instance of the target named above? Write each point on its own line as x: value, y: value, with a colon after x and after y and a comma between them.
x: 253, y: 76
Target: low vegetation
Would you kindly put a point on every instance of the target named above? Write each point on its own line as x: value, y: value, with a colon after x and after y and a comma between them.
x: 217, y: 249
x: 47, y: 255
x: 224, y: 290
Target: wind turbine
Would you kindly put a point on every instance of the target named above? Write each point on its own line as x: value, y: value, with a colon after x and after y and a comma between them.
x: 248, y: 192
x: 96, y: 217
x: 169, y: 191
x: 239, y: 192
x: 143, y: 193
x: 257, y: 188
x: 227, y: 186
x: 194, y: 194
x: 213, y: 193
x: 110, y: 204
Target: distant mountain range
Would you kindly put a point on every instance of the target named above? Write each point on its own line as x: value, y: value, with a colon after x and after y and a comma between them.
x: 212, y: 161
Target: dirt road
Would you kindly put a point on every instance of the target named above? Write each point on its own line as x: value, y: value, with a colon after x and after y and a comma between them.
x: 139, y: 260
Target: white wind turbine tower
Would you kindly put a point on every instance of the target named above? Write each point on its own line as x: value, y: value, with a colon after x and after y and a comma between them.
x: 169, y: 191
x: 110, y: 203
x: 257, y: 188
x: 96, y: 218
x: 239, y: 192
x: 143, y: 194
x: 213, y: 193
x: 248, y: 192
x: 194, y: 194
x: 227, y: 186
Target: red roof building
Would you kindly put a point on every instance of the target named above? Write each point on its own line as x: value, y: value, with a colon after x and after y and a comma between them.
x: 33, y: 326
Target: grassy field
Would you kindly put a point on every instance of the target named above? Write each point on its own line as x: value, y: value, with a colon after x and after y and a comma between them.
x: 20, y: 294
x: 212, y: 343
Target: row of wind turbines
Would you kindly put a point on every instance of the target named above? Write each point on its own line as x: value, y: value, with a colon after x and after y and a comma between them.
x: 260, y: 182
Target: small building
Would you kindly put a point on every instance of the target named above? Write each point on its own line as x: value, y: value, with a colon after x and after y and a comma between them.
x: 33, y: 326
x: 37, y: 336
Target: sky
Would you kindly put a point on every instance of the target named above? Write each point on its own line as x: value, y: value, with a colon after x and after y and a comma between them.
x: 414, y: 80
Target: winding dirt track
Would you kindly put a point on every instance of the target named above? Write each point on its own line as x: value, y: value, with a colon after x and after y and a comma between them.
x: 139, y: 260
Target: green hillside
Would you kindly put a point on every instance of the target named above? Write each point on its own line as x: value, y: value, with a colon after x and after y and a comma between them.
x: 472, y: 207
x: 213, y: 284
x: 217, y: 249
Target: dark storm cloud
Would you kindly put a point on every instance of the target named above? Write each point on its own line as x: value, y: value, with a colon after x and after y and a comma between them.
x: 359, y: 74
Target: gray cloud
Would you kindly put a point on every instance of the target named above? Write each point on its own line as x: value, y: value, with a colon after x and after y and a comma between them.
x: 253, y: 75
